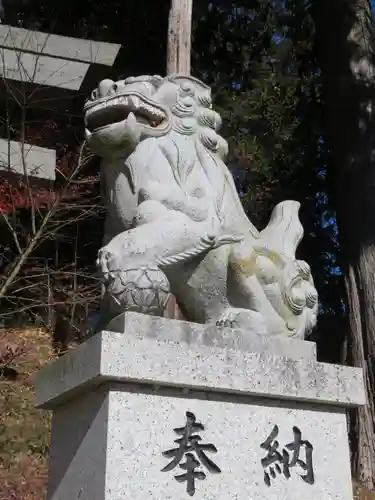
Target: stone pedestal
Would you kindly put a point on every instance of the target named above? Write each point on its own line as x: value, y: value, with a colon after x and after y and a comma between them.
x: 165, y: 410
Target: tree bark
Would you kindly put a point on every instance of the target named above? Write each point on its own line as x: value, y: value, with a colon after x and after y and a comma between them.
x: 179, y: 37
x: 346, y: 56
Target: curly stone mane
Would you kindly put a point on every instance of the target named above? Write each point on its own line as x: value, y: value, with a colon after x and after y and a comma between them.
x: 194, y: 115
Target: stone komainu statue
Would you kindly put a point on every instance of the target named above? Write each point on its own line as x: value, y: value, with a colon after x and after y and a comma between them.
x: 175, y: 223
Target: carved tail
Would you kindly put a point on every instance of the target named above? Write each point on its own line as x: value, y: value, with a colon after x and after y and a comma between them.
x: 284, y: 230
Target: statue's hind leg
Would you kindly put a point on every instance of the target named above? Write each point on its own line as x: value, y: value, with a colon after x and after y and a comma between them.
x: 246, y: 297
x: 200, y: 285
x: 201, y: 288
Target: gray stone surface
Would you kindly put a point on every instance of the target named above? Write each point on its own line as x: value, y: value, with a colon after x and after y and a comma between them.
x: 78, y: 453
x: 133, y: 358
x: 65, y: 47
x: 39, y: 162
x: 108, y: 446
x: 119, y: 398
x: 194, y: 333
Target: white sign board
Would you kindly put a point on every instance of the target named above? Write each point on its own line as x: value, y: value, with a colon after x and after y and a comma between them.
x: 38, y: 162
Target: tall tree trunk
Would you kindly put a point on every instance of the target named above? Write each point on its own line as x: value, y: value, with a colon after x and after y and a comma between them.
x: 345, y: 52
x: 179, y: 37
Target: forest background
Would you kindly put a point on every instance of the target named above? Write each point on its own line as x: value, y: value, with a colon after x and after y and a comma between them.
x: 294, y: 83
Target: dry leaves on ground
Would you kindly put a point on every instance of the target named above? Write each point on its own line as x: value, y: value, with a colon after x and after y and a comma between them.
x: 24, y: 431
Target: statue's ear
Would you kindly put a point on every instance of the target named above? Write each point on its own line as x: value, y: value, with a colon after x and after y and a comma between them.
x: 155, y: 80
x: 189, y: 80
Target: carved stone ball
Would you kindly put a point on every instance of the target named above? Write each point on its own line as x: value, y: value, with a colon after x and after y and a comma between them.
x: 144, y: 289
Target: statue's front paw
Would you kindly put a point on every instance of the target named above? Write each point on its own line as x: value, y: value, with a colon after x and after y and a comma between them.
x: 107, y: 262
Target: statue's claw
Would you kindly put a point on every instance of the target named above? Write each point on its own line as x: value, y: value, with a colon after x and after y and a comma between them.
x: 107, y: 263
x: 233, y: 317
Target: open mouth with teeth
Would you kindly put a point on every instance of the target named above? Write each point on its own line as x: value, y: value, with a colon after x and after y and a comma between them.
x: 118, y: 108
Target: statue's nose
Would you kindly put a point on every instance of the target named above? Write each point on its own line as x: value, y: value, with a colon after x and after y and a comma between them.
x: 105, y: 86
